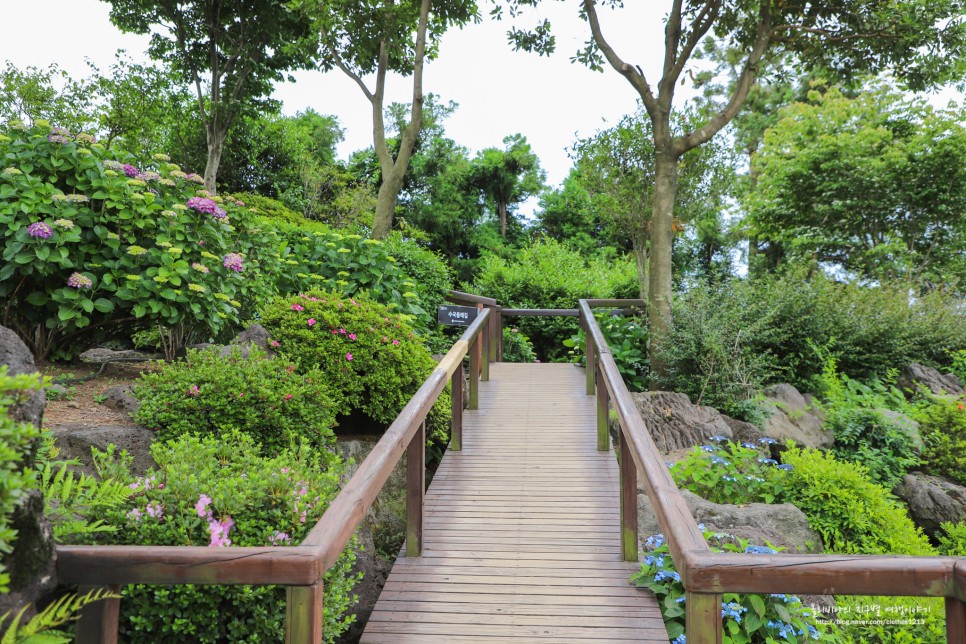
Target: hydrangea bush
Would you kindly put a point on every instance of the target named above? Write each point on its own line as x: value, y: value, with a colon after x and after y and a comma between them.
x: 745, y: 618
x: 260, y: 396
x: 372, y: 359
x: 726, y: 472
x: 217, y: 491
x: 91, y: 242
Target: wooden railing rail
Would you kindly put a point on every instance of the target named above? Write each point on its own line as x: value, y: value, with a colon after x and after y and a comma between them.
x: 707, y: 575
x: 299, y: 568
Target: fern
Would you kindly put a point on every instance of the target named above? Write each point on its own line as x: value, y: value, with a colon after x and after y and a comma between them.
x: 72, y: 497
x: 41, y: 628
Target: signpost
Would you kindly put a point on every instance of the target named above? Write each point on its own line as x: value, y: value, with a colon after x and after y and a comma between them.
x: 457, y: 315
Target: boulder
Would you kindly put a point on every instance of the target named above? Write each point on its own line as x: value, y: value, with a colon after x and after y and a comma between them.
x: 915, y: 376
x: 780, y: 524
x: 375, y: 571
x: 796, y: 417
x: 256, y: 335
x: 100, y: 355
x: 743, y: 432
x: 76, y: 441
x: 675, y: 423
x: 906, y: 424
x: 18, y: 359
x: 121, y: 398
x: 31, y: 563
x: 932, y: 500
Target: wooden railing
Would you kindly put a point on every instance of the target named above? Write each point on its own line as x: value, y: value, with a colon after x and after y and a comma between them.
x: 706, y: 575
x: 299, y: 568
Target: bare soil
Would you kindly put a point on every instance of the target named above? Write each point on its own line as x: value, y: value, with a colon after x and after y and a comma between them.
x: 80, y: 406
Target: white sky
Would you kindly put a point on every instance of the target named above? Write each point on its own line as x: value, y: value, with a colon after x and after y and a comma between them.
x: 499, y: 92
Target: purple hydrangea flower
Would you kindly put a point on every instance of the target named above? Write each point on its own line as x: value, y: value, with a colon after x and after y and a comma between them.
x: 113, y: 165
x: 130, y: 170
x: 197, y: 178
x: 57, y: 138
x: 76, y: 280
x: 149, y: 176
x: 207, y: 206
x: 233, y: 261
x: 40, y: 229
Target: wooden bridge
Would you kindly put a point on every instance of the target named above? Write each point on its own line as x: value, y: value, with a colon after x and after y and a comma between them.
x: 520, y: 539
x: 529, y: 530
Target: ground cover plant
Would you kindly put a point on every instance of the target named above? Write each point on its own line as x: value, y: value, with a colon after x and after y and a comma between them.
x: 219, y: 491
x: 727, y: 472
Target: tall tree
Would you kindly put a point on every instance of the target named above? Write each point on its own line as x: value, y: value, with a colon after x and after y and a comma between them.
x: 36, y: 93
x: 230, y: 51
x: 508, y: 176
x: 921, y: 41
x: 378, y: 37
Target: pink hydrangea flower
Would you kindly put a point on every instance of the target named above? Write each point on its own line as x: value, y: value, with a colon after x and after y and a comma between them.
x: 78, y: 281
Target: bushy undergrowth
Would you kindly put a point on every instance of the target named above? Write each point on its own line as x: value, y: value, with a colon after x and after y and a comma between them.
x: 548, y: 275
x: 517, y: 346
x: 745, y: 618
x: 728, y: 338
x: 16, y: 442
x: 853, y: 514
x: 259, y: 396
x: 371, y: 359
x: 218, y: 491
x: 627, y: 339
x: 942, y: 425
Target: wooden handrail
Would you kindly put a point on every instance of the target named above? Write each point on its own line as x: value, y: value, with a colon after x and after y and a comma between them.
x: 300, y: 567
x: 706, y: 575
x: 458, y: 297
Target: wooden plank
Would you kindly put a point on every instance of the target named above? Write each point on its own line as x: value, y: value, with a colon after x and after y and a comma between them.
x: 521, y: 528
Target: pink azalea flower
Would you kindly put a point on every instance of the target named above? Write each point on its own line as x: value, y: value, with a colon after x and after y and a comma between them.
x: 288, y: 396
x: 193, y: 390
x: 348, y: 357
x: 311, y: 321
x: 298, y: 307
x: 352, y: 336
x: 395, y: 341
x: 342, y: 331
x: 201, y: 507
x: 274, y: 343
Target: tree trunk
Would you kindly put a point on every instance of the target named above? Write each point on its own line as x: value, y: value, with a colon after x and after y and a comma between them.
x: 501, y: 208
x: 216, y: 145
x: 639, y: 248
x: 662, y: 238
x: 386, y: 201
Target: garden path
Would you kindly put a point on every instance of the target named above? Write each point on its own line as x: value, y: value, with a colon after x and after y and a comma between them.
x: 521, y: 533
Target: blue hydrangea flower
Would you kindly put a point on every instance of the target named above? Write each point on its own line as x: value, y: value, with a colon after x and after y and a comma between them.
x: 764, y: 440
x: 718, y: 439
x: 787, y: 467
x: 654, y: 541
x: 728, y: 478
x: 760, y: 550
x: 749, y: 445
x: 708, y: 448
x: 767, y: 461
x: 717, y: 460
x: 733, y: 610
x: 667, y: 574
x: 680, y: 639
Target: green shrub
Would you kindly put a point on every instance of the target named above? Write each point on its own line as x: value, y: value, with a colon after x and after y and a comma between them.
x: 271, y: 209
x: 91, y: 244
x: 218, y: 491
x: 626, y: 337
x: 259, y: 396
x: 16, y: 443
x: 942, y: 425
x: 952, y: 543
x: 725, y: 472
x: 710, y: 353
x: 958, y: 364
x: 865, y: 619
x: 745, y: 618
x: 517, y: 347
x: 853, y: 514
x: 548, y: 275
x: 368, y: 355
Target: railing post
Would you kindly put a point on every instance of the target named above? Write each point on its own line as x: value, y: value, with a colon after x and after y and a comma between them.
x: 485, y: 351
x: 499, y: 333
x: 474, y: 402
x: 703, y: 618
x: 456, y: 418
x: 955, y: 620
x: 590, y: 358
x: 628, y: 492
x: 415, y: 490
x: 491, y: 329
x: 98, y: 622
x: 303, y: 614
x: 603, y: 415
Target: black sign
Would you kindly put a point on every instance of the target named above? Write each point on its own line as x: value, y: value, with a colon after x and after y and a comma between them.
x: 457, y: 315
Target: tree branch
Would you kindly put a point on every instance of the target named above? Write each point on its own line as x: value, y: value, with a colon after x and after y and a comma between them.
x: 672, y: 38
x: 745, y: 82
x: 378, y: 120
x: 345, y: 68
x: 635, y: 78
x: 699, y: 28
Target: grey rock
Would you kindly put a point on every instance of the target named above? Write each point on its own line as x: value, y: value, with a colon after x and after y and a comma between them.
x: 19, y: 360
x: 675, y: 423
x: 795, y: 417
x: 76, y: 441
x: 932, y: 500
x: 743, y: 432
x: 60, y: 390
x: 915, y: 376
x: 780, y: 524
x: 255, y: 334
x: 906, y: 424
x: 121, y: 398
x: 375, y: 571
x: 100, y: 355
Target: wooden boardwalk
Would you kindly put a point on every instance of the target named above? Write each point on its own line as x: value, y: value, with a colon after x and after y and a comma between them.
x: 521, y: 537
